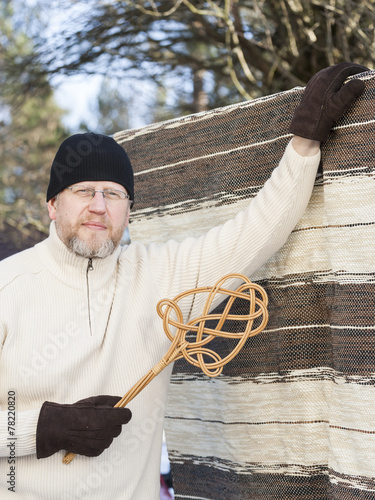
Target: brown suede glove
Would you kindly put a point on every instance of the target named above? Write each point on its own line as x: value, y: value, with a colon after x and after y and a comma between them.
x: 325, y: 99
x: 85, y: 428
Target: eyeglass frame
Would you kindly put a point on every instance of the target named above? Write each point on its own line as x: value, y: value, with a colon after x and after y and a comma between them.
x: 94, y: 191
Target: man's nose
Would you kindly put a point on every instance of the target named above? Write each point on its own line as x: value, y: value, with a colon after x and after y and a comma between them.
x: 98, y: 204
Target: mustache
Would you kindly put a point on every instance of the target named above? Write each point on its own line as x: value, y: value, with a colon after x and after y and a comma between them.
x: 100, y: 220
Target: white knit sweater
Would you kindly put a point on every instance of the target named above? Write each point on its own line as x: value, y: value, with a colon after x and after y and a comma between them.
x: 67, y: 333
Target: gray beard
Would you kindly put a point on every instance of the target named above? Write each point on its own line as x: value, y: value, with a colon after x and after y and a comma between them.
x: 82, y: 249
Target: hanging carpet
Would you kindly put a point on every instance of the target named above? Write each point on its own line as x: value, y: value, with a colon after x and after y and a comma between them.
x: 293, y: 416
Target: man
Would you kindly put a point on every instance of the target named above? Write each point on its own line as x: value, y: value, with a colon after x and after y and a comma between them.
x: 78, y: 317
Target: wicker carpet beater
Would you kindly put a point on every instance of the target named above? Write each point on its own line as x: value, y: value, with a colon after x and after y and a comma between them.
x: 195, y: 352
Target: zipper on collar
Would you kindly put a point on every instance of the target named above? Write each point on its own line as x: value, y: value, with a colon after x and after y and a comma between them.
x: 90, y: 267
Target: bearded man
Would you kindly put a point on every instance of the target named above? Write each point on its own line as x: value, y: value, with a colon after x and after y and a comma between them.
x: 78, y: 319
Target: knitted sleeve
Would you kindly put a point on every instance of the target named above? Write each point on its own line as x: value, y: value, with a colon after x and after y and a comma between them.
x: 245, y: 243
x: 17, y: 428
x: 21, y: 440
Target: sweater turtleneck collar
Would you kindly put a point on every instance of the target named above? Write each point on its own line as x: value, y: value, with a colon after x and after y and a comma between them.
x: 72, y: 268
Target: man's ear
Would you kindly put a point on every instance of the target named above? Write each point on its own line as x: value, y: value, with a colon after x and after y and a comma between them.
x: 51, y: 204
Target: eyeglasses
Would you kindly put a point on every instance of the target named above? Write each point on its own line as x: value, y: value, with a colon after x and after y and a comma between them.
x: 87, y: 192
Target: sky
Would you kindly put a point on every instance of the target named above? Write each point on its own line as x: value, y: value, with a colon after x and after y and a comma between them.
x: 77, y: 95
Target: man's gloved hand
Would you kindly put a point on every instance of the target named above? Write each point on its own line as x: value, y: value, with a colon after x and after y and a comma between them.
x: 85, y: 428
x: 325, y: 99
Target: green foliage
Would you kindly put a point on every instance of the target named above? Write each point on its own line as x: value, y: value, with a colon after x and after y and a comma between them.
x: 246, y: 48
x: 30, y: 131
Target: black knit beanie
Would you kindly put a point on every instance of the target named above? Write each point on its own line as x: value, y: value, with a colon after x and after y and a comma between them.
x: 90, y: 157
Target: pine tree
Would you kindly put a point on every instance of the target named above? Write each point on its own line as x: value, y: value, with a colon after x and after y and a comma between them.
x: 30, y: 132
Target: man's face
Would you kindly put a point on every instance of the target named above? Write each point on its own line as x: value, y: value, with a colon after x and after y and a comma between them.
x: 90, y: 227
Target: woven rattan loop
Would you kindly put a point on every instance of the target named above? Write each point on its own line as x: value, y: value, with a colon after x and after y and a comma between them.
x: 195, y: 352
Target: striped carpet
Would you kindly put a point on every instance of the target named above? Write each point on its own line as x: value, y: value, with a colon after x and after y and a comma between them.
x: 293, y: 416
